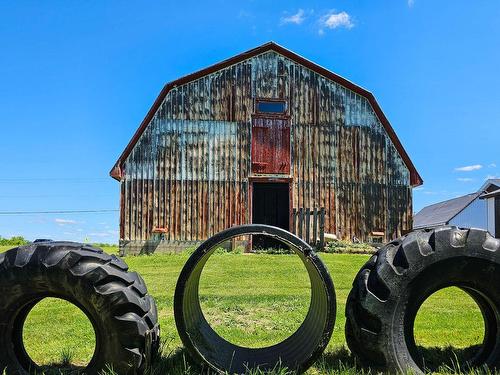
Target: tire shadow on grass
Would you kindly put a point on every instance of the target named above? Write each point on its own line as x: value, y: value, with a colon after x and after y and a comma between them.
x: 451, y: 360
x: 339, y: 361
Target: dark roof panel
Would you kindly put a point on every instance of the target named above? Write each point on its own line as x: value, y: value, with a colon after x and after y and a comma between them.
x: 441, y: 213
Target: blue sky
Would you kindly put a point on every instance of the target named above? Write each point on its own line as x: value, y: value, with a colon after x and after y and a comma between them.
x: 78, y: 77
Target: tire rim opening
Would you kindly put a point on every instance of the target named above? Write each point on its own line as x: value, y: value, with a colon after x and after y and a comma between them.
x: 65, y: 340
x: 449, y: 331
x: 267, y: 303
x: 297, y: 352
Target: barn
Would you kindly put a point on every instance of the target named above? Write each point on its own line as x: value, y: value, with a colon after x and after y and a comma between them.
x: 266, y: 136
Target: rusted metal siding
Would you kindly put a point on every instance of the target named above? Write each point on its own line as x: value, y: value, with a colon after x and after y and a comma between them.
x: 189, y: 170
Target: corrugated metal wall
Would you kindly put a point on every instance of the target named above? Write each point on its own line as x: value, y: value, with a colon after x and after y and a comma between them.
x: 189, y: 171
x: 475, y: 215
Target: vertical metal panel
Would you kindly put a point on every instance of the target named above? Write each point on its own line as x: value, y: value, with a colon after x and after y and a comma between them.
x: 475, y: 215
x: 189, y: 171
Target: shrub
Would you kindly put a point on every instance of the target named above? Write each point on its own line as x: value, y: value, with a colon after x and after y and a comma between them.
x: 347, y: 247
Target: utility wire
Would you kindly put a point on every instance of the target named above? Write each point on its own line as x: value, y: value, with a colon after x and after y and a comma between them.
x: 53, y: 179
x: 56, y: 212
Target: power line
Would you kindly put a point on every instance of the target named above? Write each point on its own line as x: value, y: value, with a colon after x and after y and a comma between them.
x: 57, y: 212
x: 54, y: 179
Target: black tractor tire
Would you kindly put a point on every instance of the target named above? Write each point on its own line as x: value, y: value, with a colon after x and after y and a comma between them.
x: 390, y: 288
x: 123, y: 315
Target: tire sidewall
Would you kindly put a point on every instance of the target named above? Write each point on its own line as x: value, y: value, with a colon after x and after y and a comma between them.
x: 462, y: 268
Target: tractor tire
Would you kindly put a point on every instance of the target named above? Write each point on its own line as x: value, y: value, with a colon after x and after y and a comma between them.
x: 123, y: 315
x: 391, y: 287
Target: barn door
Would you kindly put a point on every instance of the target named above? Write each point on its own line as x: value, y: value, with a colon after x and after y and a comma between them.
x: 270, y: 145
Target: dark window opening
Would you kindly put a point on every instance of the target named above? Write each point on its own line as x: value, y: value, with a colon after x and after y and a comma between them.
x: 270, y: 106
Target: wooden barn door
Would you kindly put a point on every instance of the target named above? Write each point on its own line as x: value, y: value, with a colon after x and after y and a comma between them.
x: 270, y: 145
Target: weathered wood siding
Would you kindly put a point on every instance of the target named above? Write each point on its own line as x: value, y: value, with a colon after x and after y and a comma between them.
x: 189, y: 171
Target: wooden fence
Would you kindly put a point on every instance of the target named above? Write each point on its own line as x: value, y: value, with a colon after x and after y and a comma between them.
x: 309, y: 224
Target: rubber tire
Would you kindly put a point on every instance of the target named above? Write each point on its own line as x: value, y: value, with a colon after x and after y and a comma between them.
x: 297, y: 352
x: 390, y: 288
x: 123, y: 315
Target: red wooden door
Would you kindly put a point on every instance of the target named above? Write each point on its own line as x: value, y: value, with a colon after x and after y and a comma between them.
x: 270, y: 145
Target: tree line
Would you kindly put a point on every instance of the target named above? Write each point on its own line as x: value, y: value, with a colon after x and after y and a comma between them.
x: 13, y: 241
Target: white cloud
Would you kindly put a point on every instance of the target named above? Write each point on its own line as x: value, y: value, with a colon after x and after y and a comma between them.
x: 492, y: 165
x: 469, y: 168
x: 64, y: 221
x: 465, y: 179
x: 99, y: 234
x: 492, y: 177
x: 333, y: 20
x: 411, y: 3
x: 296, y: 18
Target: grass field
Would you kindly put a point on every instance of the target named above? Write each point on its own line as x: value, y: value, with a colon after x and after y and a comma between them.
x: 251, y: 300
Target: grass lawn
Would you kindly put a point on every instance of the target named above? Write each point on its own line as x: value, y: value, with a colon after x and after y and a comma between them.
x: 251, y: 300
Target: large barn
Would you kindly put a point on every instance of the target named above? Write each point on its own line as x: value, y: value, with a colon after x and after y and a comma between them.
x: 268, y: 137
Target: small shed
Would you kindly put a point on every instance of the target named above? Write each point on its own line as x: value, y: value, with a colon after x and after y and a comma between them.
x: 476, y: 210
x: 266, y: 136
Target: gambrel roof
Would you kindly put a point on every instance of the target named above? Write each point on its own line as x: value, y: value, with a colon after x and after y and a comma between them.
x: 415, y: 179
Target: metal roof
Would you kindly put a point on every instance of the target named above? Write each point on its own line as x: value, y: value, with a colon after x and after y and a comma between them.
x: 491, y: 191
x: 415, y: 179
x: 441, y: 213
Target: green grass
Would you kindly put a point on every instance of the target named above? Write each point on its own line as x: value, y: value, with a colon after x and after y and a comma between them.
x: 252, y: 300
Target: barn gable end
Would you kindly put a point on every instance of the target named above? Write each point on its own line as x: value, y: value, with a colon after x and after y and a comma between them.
x: 189, y: 167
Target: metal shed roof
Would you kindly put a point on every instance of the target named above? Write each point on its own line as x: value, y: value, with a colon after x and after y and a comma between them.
x: 441, y: 213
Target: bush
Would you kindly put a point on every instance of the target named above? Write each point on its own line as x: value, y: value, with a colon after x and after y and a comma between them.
x: 13, y: 241
x: 347, y: 247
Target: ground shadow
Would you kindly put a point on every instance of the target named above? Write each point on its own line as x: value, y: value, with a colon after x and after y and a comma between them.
x: 59, y: 369
x: 448, y: 360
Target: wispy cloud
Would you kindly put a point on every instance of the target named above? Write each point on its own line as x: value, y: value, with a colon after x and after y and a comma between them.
x: 469, y: 168
x: 296, y: 18
x: 244, y: 14
x: 492, y: 165
x: 492, y: 177
x: 333, y: 20
x: 411, y: 3
x: 104, y: 234
x: 465, y: 179
x: 64, y: 221
x: 99, y: 234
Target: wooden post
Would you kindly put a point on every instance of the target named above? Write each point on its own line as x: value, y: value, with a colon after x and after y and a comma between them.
x: 308, y: 225
x: 301, y: 221
x: 322, y: 228
x: 315, y: 227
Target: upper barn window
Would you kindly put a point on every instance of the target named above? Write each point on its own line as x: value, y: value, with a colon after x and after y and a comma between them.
x: 270, y: 106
